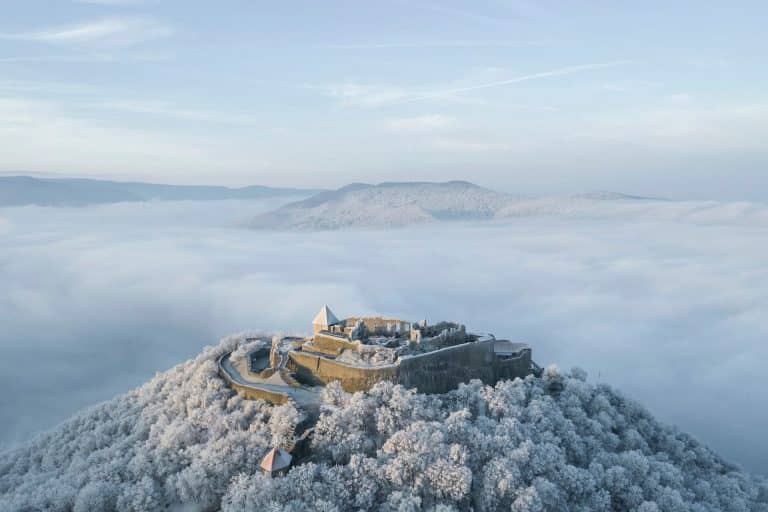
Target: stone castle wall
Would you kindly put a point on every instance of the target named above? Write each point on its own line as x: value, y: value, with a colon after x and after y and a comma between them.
x: 443, y: 370
x: 316, y: 369
x: 330, y: 344
x: 510, y: 368
x: 433, y: 372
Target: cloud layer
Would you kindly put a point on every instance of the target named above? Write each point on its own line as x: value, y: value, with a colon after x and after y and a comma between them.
x: 673, y: 313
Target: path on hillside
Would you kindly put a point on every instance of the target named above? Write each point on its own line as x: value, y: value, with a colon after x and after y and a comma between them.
x: 304, y: 396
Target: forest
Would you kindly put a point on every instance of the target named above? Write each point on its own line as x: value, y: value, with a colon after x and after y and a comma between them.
x: 540, y: 444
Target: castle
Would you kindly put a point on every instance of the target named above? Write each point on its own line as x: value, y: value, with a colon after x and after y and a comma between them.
x: 358, y: 352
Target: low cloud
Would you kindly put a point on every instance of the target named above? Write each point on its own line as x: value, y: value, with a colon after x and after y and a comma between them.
x: 672, y: 313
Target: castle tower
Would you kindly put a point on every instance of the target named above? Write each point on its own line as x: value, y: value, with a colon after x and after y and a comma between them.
x: 324, y: 320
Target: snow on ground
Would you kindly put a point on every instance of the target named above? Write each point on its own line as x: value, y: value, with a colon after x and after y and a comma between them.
x: 556, y: 443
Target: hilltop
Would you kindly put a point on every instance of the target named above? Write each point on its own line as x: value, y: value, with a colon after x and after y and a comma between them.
x: 26, y: 190
x: 548, y: 443
x: 387, y: 205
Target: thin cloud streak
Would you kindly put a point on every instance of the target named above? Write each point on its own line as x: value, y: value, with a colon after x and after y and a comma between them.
x: 525, y: 78
x: 56, y: 58
x: 437, y: 44
x: 112, y: 31
x: 110, y: 2
x: 467, y: 15
x: 95, y: 58
x: 378, y: 96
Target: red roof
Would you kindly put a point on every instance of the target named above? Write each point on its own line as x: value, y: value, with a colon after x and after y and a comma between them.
x: 276, y: 460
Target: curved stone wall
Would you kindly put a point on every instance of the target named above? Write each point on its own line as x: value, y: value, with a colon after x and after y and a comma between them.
x: 443, y: 370
x: 433, y: 372
x: 315, y: 369
x: 253, y: 392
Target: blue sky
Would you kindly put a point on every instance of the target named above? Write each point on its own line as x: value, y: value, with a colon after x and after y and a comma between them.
x: 662, y: 98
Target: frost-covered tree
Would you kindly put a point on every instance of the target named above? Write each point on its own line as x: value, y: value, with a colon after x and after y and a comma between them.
x: 539, y: 444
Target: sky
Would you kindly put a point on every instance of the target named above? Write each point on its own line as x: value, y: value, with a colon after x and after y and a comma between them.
x: 94, y: 303
x: 655, y: 98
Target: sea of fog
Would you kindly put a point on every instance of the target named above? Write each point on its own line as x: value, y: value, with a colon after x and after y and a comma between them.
x: 94, y: 301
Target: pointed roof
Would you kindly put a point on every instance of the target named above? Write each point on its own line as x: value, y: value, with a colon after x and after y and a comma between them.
x: 325, y: 317
x: 276, y: 460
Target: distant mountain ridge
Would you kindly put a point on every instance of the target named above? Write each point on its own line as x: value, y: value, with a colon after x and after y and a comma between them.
x: 399, y: 204
x: 26, y: 190
x: 607, y: 195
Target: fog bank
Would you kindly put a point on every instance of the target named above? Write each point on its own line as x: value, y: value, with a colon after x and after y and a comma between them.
x: 96, y: 300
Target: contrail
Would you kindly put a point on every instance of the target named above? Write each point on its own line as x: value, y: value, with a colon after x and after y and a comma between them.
x: 544, y: 74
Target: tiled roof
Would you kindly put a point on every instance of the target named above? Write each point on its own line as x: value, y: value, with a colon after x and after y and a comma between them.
x: 276, y: 460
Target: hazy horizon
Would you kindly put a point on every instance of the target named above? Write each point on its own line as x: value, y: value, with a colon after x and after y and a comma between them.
x: 655, y: 99
x: 490, y: 186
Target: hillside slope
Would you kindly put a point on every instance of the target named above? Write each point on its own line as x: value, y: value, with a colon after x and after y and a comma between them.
x: 543, y: 444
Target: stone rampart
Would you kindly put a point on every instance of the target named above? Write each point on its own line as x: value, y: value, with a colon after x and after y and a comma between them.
x: 433, y: 372
x: 316, y: 369
x: 511, y: 367
x: 331, y: 343
x: 443, y: 370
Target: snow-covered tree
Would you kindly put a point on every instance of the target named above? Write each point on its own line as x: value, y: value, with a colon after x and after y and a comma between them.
x: 539, y: 444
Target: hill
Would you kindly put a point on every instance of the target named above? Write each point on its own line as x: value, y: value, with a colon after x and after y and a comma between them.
x: 26, y: 190
x: 387, y: 205
x: 541, y: 444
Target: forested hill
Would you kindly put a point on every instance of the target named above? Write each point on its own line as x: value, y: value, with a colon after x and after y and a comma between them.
x: 388, y: 205
x: 555, y: 443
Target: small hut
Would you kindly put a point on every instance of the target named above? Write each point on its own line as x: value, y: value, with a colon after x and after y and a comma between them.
x: 276, y: 462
